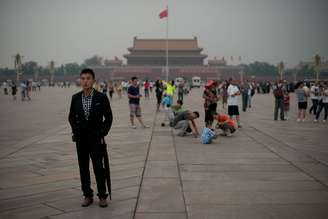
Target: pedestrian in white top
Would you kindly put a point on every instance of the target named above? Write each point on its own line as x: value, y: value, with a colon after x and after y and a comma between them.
x: 322, y: 103
x: 314, y: 95
x: 233, y: 101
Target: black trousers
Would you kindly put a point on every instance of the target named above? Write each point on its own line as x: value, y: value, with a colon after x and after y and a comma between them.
x: 279, y: 105
x: 314, y: 106
x: 91, y: 147
x: 245, y: 101
x: 209, y: 113
x: 180, y: 96
x: 322, y: 106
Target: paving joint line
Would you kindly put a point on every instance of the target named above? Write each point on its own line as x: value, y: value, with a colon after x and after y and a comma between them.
x: 281, y: 157
x: 144, y: 167
x: 179, y: 173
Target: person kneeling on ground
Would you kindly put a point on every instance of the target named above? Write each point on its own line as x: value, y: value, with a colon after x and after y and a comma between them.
x: 225, y: 123
x: 171, y: 111
x: 184, y: 123
x: 177, y: 108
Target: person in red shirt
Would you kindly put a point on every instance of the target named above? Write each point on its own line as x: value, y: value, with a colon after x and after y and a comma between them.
x: 286, y: 104
x: 147, y: 86
x: 225, y: 123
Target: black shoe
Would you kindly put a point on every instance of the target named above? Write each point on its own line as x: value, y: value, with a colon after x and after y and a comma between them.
x: 103, y: 203
x: 87, y: 201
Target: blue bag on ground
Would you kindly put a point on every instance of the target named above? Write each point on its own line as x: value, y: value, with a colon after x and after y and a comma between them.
x: 207, y: 136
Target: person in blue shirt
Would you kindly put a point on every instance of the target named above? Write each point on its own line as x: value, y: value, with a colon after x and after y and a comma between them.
x: 134, y: 103
x: 166, y: 101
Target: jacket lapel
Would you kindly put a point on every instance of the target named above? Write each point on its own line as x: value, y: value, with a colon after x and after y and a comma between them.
x: 79, y: 104
x: 93, y: 102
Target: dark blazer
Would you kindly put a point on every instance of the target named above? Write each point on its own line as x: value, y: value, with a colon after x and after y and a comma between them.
x: 100, y: 117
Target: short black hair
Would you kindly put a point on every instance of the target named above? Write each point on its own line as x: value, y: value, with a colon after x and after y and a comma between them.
x: 134, y: 78
x: 88, y: 71
x: 197, y: 114
x: 180, y: 102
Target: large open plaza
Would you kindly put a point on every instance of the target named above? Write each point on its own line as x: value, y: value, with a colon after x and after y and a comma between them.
x: 267, y: 169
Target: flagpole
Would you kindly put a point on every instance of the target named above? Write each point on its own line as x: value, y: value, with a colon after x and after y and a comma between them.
x: 167, y: 45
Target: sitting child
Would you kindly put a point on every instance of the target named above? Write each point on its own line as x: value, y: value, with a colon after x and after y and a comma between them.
x: 169, y: 115
x: 166, y: 101
x: 178, y: 107
x: 225, y: 123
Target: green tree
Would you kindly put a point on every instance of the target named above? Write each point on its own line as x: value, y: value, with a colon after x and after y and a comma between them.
x: 72, y: 68
x: 261, y: 69
x: 94, y: 60
x: 29, y: 68
x: 307, y: 71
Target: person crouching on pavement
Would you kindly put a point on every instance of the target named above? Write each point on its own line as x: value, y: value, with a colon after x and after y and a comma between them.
x: 226, y: 124
x: 184, y: 122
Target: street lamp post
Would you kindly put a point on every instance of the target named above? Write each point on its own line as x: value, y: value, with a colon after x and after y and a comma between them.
x: 18, y: 66
x: 281, y: 67
x: 241, y: 72
x: 317, y: 63
x: 52, y: 72
x: 36, y: 73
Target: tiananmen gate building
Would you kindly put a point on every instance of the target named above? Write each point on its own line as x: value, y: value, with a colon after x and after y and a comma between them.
x: 147, y: 59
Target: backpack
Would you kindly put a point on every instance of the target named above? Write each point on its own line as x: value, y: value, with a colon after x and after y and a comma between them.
x: 207, y: 136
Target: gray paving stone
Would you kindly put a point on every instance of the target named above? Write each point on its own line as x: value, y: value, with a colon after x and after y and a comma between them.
x: 313, y: 211
x: 161, y: 169
x: 266, y: 169
x: 37, y: 211
x: 160, y: 195
x: 121, y: 209
x: 251, y: 197
x: 161, y: 215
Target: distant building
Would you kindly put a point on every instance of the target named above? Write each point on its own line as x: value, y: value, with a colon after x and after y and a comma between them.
x: 217, y: 62
x: 147, y: 60
x: 152, y: 52
x: 113, y: 62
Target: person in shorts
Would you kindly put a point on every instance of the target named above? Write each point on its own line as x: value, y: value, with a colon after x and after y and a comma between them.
x: 134, y: 103
x: 233, y: 101
x: 286, y: 104
x: 302, y: 93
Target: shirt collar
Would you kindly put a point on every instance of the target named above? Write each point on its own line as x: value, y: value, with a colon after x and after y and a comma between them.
x: 91, y: 94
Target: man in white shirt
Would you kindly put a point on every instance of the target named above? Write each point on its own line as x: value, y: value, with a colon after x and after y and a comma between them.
x: 314, y: 95
x: 322, y: 104
x: 233, y: 101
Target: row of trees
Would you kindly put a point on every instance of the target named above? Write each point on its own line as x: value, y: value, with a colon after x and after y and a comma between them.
x: 252, y: 69
x: 32, y: 67
x: 306, y: 70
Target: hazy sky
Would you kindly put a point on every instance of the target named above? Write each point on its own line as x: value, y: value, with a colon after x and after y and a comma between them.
x: 72, y: 30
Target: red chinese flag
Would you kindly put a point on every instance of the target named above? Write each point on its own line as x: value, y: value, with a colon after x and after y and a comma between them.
x: 164, y: 14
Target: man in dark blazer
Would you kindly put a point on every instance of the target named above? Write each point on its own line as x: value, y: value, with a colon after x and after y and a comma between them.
x: 91, y: 118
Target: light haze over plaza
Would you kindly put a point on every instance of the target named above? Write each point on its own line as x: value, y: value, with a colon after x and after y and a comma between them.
x: 164, y: 109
